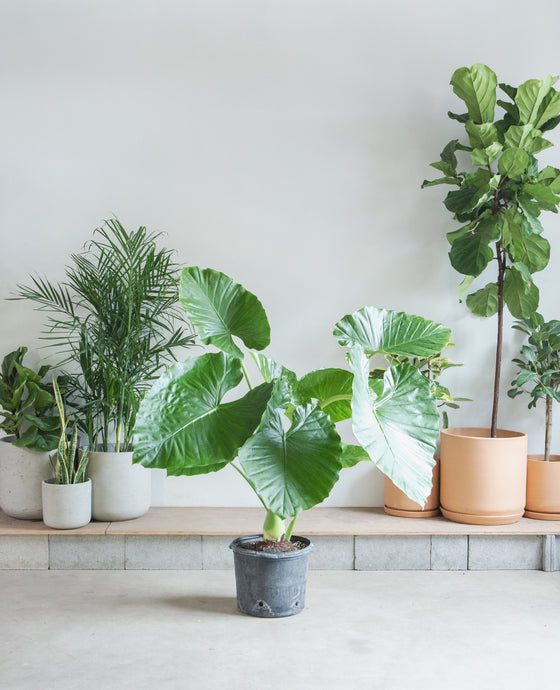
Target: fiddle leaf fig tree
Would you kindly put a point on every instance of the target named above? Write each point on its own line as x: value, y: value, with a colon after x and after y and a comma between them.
x: 499, y: 203
x: 279, y: 435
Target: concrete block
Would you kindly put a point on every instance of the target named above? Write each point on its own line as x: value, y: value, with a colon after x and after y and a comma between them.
x: 449, y: 552
x: 86, y: 552
x: 332, y: 553
x: 216, y: 554
x: 392, y: 552
x: 24, y: 552
x: 507, y: 552
x: 549, y: 553
x: 162, y: 552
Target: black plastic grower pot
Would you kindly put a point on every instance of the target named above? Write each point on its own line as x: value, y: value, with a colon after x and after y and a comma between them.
x: 270, y: 585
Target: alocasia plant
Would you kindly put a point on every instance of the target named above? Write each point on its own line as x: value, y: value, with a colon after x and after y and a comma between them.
x: 499, y: 200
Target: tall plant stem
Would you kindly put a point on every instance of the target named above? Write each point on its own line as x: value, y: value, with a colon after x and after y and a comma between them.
x: 500, y: 255
x: 246, y: 376
x: 548, y: 428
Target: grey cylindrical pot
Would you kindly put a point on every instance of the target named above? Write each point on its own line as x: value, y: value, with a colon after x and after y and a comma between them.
x: 270, y: 585
x: 66, y: 506
x: 21, y: 473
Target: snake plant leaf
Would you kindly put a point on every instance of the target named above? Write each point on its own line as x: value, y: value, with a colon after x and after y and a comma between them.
x: 332, y: 389
x: 293, y: 468
x: 476, y: 86
x: 219, y: 308
x: 380, y: 331
x: 182, y: 425
x: 399, y: 426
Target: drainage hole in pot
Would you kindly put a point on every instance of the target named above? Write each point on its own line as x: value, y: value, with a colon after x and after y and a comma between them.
x: 261, y: 604
x: 297, y: 603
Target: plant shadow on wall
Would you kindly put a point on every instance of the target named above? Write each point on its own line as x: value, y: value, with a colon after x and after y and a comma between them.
x: 280, y: 435
x: 499, y: 207
x: 113, y: 323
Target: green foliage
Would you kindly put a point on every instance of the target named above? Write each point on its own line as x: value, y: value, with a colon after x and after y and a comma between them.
x: 113, y: 319
x: 539, y: 366
x: 68, y: 468
x: 280, y: 436
x: 27, y: 404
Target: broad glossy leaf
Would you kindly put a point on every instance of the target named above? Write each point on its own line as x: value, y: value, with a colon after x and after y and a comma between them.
x: 486, y: 156
x: 220, y: 308
x: 352, y: 455
x: 441, y: 180
x: 476, y: 86
x: 182, y: 425
x: 392, y: 333
x: 483, y: 135
x: 465, y: 199
x: 513, y: 161
x: 521, y: 297
x: 484, y: 302
x: 292, y: 469
x: 464, y: 287
x: 537, y: 101
x: 471, y: 253
x: 271, y: 370
x: 532, y: 250
x: 398, y: 428
x: 525, y: 137
x: 544, y: 196
x: 332, y: 389
x: 530, y: 224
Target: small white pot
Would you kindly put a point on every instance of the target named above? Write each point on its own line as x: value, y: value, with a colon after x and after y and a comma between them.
x: 66, y: 506
x: 121, y: 490
x: 21, y: 473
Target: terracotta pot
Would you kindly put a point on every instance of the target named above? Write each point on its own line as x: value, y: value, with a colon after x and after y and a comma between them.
x: 396, y: 502
x: 543, y: 488
x: 483, y: 479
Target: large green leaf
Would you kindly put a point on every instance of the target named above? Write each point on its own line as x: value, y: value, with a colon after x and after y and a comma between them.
x: 513, y: 161
x: 544, y: 196
x: 520, y: 295
x: 476, y: 86
x: 398, y: 428
x: 529, y: 249
x: 332, y: 388
x: 292, y: 466
x: 392, y: 333
x: 220, y: 308
x: 471, y: 253
x: 537, y: 101
x: 525, y: 137
x: 484, y: 302
x: 465, y: 199
x: 183, y: 426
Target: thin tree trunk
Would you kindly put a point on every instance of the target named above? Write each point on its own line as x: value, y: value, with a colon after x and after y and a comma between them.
x: 501, y: 272
x: 548, y: 428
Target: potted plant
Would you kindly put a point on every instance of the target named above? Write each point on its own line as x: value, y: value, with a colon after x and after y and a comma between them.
x: 498, y: 206
x: 280, y: 436
x: 32, y: 430
x: 67, y: 496
x: 114, y: 317
x: 539, y: 368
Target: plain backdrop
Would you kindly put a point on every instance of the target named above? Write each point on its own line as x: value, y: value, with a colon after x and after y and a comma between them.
x: 283, y: 143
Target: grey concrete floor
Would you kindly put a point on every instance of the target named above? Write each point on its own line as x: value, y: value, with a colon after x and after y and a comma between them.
x: 78, y: 630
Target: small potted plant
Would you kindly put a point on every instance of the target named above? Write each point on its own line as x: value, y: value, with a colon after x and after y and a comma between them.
x: 114, y: 317
x: 539, y: 376
x: 67, y: 496
x: 498, y: 204
x: 280, y: 436
x: 27, y: 404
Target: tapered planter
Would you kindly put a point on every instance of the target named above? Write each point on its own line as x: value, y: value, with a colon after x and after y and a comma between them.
x: 66, y: 506
x: 396, y: 502
x: 120, y: 490
x: 482, y: 479
x: 543, y: 488
x: 21, y: 473
x: 270, y: 585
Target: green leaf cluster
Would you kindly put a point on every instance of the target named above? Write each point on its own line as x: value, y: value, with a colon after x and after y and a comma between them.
x: 27, y: 404
x: 500, y: 204
x: 114, y: 320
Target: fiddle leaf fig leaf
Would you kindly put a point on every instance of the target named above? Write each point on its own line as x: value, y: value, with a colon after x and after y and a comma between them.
x: 481, y: 136
x: 220, y: 308
x: 182, y: 424
x: 530, y: 224
x: 484, y: 302
x: 537, y: 101
x: 486, y: 156
x: 513, y: 161
x: 380, y: 331
x: 471, y: 253
x: 332, y: 389
x: 520, y: 295
x: 531, y: 250
x: 280, y: 461
x: 544, y: 196
x: 465, y: 199
x: 476, y: 86
x: 399, y: 426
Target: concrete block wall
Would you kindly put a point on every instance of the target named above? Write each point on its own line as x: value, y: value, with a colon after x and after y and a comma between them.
x: 379, y: 552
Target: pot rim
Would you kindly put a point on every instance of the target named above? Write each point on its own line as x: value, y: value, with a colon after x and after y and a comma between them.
x: 237, y: 549
x: 539, y: 457
x: 484, y: 434
x: 51, y: 482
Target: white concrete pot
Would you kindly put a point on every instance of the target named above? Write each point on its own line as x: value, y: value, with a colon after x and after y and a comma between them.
x: 121, y: 490
x: 21, y: 473
x: 66, y: 506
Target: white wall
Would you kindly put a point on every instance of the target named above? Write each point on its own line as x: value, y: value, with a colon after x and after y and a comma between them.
x: 283, y: 143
